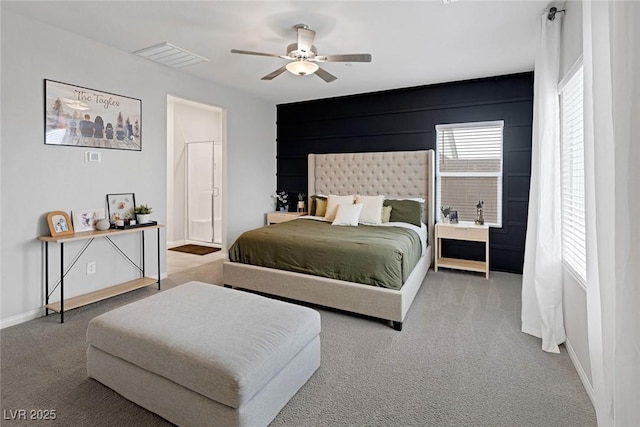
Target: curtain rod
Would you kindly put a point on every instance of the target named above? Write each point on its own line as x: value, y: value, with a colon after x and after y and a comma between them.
x: 552, y: 13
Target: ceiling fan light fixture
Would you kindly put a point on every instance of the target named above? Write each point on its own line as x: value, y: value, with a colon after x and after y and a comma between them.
x: 304, y: 57
x: 302, y: 68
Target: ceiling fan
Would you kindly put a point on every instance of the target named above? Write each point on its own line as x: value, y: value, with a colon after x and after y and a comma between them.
x: 304, y: 57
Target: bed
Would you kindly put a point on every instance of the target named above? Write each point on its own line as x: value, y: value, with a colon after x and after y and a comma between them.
x: 397, y: 175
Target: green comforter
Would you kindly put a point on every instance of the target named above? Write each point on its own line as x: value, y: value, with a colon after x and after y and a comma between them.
x: 373, y: 255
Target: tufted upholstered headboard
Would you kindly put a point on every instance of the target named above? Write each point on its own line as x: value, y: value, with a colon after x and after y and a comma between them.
x: 393, y: 174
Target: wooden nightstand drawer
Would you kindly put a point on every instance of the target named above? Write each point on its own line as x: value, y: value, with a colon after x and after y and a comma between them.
x: 460, y: 232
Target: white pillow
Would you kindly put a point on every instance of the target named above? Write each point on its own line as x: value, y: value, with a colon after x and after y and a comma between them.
x: 332, y: 205
x: 348, y: 214
x: 371, y: 209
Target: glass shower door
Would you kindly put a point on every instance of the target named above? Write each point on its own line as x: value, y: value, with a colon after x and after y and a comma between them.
x: 200, y: 191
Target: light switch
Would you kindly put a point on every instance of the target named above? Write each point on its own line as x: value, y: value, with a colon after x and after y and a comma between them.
x: 92, y: 156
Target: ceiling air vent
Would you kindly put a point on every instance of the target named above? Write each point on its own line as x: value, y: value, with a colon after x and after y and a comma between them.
x: 170, y: 55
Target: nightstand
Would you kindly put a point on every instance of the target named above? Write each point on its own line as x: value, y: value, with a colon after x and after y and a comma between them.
x: 280, y: 216
x: 462, y: 231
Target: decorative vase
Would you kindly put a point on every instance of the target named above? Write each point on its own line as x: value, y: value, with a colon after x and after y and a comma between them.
x: 103, y: 224
x: 301, y: 206
x: 143, y: 218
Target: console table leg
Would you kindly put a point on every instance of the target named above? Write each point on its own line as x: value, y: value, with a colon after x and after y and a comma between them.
x: 46, y: 278
x: 61, y: 282
x: 144, y: 273
x: 158, y: 259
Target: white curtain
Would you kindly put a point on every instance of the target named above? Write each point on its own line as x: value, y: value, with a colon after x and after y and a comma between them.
x: 611, y: 49
x: 542, y: 272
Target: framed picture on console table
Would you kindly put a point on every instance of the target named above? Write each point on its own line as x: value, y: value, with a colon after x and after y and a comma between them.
x: 59, y: 223
x: 121, y: 206
x: 83, y: 117
x: 85, y: 219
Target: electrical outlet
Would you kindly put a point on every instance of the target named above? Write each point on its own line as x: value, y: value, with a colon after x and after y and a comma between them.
x: 91, y: 267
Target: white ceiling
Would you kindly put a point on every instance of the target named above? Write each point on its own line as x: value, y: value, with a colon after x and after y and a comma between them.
x: 412, y: 42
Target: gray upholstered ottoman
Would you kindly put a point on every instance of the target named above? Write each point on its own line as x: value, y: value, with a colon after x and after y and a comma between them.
x: 202, y: 354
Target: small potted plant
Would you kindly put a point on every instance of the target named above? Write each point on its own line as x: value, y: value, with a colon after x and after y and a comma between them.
x: 301, y: 202
x: 143, y: 213
x: 445, y: 213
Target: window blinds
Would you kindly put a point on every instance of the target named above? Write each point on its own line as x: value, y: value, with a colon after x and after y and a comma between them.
x: 572, y: 197
x: 469, y: 169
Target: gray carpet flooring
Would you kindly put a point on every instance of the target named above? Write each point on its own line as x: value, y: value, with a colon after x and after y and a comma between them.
x: 459, y: 361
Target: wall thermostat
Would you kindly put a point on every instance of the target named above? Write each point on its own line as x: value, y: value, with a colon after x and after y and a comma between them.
x: 92, y: 156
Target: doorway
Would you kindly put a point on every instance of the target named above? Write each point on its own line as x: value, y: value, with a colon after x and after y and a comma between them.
x: 195, y: 173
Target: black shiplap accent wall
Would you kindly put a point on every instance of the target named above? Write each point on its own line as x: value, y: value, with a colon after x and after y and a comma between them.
x: 405, y: 119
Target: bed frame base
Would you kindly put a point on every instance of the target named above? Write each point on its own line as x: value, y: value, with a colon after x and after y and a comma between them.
x: 383, y: 303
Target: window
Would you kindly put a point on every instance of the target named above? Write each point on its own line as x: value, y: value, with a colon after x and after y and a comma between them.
x: 572, y: 168
x: 469, y: 169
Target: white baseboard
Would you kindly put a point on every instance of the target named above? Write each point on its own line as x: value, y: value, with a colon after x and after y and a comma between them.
x: 581, y: 373
x: 39, y: 312
x: 21, y: 318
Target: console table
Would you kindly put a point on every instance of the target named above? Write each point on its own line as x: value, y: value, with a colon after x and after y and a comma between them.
x: 89, y: 236
x: 462, y: 231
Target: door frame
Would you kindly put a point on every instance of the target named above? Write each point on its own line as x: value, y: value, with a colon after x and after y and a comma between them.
x: 172, y: 100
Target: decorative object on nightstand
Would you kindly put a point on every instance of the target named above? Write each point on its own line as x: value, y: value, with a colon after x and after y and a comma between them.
x: 301, y: 207
x: 282, y: 201
x: 143, y: 214
x: 445, y: 210
x: 480, y: 212
x: 453, y: 217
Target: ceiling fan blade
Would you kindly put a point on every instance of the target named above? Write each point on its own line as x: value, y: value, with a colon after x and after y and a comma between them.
x: 352, y: 57
x: 275, y: 73
x: 325, y: 75
x: 248, y: 52
x: 305, y: 39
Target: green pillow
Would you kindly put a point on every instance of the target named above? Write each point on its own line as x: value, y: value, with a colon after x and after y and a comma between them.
x: 386, y: 213
x: 409, y: 211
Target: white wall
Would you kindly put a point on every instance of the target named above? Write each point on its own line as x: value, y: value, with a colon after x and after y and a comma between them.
x: 571, y: 44
x: 574, y: 294
x: 37, y: 178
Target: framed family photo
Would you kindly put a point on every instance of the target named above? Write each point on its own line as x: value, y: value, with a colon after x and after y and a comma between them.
x: 83, y: 117
x: 121, y: 206
x: 59, y: 223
